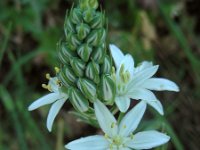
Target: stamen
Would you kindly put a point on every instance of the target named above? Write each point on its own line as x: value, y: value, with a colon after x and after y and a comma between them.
x: 57, y: 70
x: 48, y: 76
x: 49, y: 88
x: 131, y: 136
x: 59, y: 83
x: 106, y: 136
x: 113, y: 125
x: 44, y: 86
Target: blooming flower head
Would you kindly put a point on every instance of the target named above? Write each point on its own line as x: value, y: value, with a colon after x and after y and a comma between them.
x: 119, y: 136
x: 57, y: 97
x: 136, y: 82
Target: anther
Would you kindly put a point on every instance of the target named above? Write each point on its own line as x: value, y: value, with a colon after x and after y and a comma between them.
x: 113, y: 125
x: 124, y: 126
x: 48, y: 76
x: 131, y: 136
x: 106, y: 136
x: 57, y: 70
x: 44, y: 86
x: 49, y: 88
x: 58, y: 82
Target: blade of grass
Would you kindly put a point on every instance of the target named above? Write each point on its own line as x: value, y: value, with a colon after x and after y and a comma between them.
x: 10, y: 107
x: 178, y: 34
x: 22, y: 61
x: 5, y: 43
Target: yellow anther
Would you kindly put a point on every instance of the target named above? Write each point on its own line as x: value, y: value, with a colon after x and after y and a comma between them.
x: 106, y: 136
x: 124, y: 126
x: 48, y: 76
x: 57, y: 69
x: 131, y: 136
x: 58, y: 82
x: 122, y: 69
x: 49, y: 88
x: 113, y: 125
x: 44, y: 86
x: 113, y: 70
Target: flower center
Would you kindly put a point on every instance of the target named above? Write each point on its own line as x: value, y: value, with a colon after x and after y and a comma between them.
x: 118, y: 141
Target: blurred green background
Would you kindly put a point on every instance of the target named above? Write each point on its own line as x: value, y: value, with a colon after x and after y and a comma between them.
x: 165, y: 32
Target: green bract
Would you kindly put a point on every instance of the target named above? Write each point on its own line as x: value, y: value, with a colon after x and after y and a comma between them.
x: 85, y: 66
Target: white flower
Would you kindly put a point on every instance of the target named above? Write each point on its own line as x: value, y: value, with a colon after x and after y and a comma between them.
x: 136, y: 82
x: 119, y: 136
x: 57, y: 97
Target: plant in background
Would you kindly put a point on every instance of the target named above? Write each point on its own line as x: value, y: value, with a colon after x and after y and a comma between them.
x: 92, y: 84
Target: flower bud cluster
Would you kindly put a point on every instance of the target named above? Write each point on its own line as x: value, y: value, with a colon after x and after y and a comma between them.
x: 85, y: 66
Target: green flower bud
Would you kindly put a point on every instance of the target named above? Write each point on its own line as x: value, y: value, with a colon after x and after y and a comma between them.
x: 88, y: 15
x: 73, y: 39
x: 107, y: 89
x: 102, y: 35
x: 92, y: 71
x: 93, y: 4
x: 98, y: 21
x: 67, y: 76
x: 76, y: 16
x: 65, y: 53
x: 85, y: 4
x: 88, y: 88
x: 71, y: 47
x: 78, y: 66
x: 82, y: 31
x: 84, y: 52
x: 98, y: 54
x: 68, y: 26
x: 78, y: 100
x: 107, y: 65
x: 93, y: 38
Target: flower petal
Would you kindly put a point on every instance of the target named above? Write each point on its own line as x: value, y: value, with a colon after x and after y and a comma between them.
x: 157, y: 106
x: 143, y: 65
x: 160, y: 84
x: 47, y: 99
x: 95, y: 142
x: 140, y: 77
x: 132, y: 119
x: 128, y: 63
x: 55, y: 108
x: 122, y: 103
x: 142, y: 94
x: 106, y: 119
x: 116, y: 54
x: 148, y: 140
x: 148, y: 97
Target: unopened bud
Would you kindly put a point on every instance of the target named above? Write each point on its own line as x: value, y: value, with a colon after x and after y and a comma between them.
x: 88, y: 15
x: 78, y: 100
x: 88, y: 88
x: 78, y: 66
x: 102, y: 35
x: 98, y: 54
x: 86, y: 4
x: 67, y: 76
x: 68, y: 26
x: 82, y: 31
x: 76, y: 16
x: 65, y: 53
x: 73, y: 39
x: 107, y: 65
x: 92, y: 71
x: 98, y: 21
x: 93, y: 38
x: 107, y: 88
x: 84, y: 52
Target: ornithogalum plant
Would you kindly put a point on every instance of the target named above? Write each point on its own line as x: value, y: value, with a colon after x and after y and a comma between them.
x: 87, y: 78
